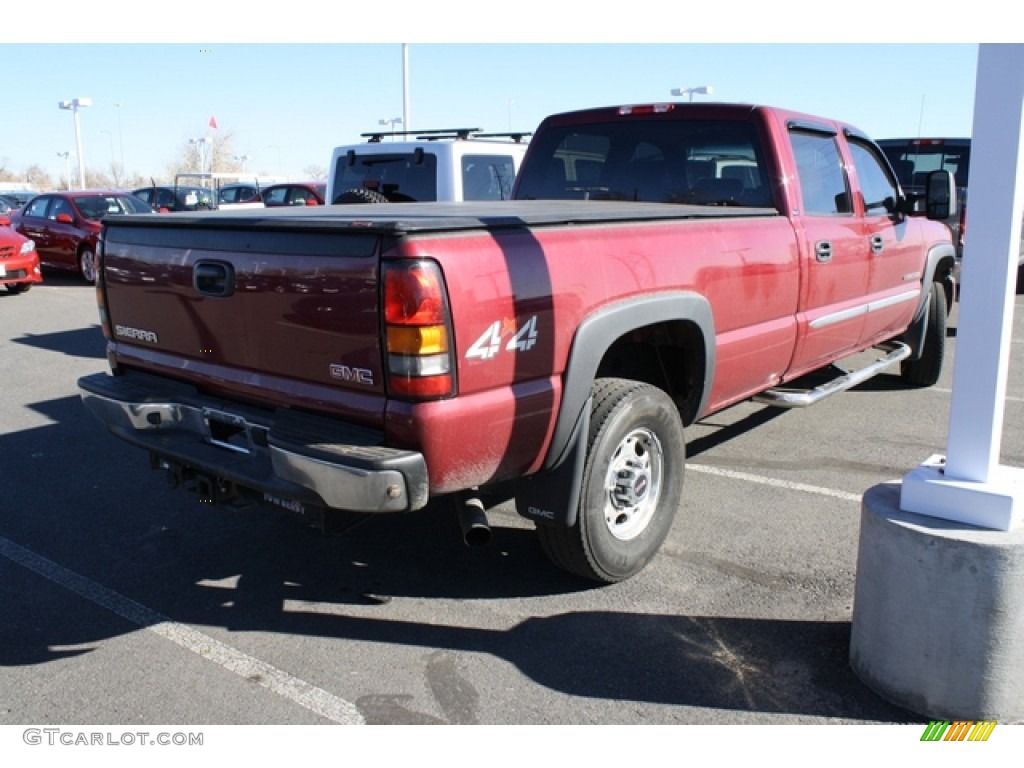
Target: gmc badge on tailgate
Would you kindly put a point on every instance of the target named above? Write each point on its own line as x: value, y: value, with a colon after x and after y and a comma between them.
x: 350, y: 374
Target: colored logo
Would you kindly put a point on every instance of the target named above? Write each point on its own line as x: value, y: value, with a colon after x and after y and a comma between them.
x: 959, y: 730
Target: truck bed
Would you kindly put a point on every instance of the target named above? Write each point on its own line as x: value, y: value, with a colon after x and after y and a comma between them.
x: 398, y: 218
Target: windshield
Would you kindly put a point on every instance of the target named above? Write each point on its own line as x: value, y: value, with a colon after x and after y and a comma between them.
x: 913, y: 160
x: 95, y: 207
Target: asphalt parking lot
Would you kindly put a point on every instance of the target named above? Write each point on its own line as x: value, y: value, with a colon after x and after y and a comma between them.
x: 128, y: 602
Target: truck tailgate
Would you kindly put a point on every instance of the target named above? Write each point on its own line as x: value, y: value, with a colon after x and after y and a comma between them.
x: 281, y: 317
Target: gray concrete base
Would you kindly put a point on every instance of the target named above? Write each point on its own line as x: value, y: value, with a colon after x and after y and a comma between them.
x: 938, y: 617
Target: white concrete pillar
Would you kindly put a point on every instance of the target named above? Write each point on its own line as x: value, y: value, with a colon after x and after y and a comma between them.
x: 968, y: 485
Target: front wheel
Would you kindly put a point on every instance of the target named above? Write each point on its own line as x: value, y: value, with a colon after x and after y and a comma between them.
x: 925, y: 371
x: 18, y: 287
x: 632, y: 484
x: 87, y: 265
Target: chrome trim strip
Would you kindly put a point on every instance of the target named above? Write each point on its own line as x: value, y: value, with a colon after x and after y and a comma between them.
x: 873, y: 306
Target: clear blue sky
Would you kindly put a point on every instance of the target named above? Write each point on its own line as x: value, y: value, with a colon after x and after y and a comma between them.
x: 288, y: 103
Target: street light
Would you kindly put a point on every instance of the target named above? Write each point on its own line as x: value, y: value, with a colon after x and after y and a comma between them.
x: 67, y: 166
x: 392, y: 122
x: 74, y: 105
x: 200, y: 145
x: 704, y: 90
x: 242, y: 159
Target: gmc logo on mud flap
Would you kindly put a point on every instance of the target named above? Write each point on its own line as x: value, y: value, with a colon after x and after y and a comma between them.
x: 139, y: 334
x: 354, y: 375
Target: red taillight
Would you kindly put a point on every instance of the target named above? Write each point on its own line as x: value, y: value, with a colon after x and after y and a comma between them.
x: 416, y: 330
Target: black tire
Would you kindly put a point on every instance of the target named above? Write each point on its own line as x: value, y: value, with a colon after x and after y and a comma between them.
x: 18, y: 287
x: 1020, y: 278
x: 632, y: 484
x: 925, y: 371
x: 87, y: 264
x: 359, y: 195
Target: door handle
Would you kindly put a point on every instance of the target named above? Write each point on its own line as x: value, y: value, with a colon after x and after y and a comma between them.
x: 213, y: 278
x: 823, y: 251
x: 877, y: 244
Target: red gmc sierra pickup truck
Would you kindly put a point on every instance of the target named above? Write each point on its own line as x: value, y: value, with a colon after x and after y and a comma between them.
x: 657, y: 263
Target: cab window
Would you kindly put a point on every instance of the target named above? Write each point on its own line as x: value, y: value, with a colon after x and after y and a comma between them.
x: 823, y: 186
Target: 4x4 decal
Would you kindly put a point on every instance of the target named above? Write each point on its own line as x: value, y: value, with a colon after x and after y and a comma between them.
x: 490, y: 342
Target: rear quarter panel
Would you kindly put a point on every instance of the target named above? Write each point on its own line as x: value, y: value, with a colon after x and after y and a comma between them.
x: 519, y: 295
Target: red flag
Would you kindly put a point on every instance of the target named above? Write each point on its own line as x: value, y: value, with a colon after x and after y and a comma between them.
x: 213, y: 123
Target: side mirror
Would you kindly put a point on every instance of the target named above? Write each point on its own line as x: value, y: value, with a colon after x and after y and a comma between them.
x: 940, y: 195
x: 65, y: 218
x: 311, y: 201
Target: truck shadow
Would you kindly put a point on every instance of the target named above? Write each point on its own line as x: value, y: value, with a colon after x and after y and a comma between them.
x: 256, y: 571
x: 81, y: 342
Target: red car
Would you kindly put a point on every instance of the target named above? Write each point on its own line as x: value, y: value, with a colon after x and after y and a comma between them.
x: 295, y: 193
x: 66, y: 225
x: 19, y: 262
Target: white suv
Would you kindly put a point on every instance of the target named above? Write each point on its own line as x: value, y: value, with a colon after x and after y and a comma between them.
x: 445, y: 165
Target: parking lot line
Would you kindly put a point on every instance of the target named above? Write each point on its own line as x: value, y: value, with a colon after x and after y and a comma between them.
x: 317, y: 700
x: 784, y: 484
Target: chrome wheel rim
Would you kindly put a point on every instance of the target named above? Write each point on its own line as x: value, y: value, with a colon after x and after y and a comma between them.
x: 633, y: 484
x: 89, y: 266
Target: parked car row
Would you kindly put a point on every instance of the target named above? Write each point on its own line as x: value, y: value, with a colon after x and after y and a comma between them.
x: 65, y: 226
x: 19, y: 262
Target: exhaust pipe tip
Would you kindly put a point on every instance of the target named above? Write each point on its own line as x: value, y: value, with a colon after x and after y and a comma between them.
x: 476, y: 531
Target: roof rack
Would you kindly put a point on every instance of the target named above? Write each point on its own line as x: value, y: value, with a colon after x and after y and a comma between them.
x: 516, y: 136
x: 375, y: 137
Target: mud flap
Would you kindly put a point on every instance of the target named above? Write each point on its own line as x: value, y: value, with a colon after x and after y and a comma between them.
x: 551, y: 497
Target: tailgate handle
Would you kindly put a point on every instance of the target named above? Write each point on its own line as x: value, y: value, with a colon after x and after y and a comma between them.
x: 213, y: 278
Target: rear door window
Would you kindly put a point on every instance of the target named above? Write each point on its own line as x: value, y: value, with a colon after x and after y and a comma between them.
x: 823, y: 186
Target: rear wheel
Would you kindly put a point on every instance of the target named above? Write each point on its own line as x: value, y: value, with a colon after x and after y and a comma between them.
x: 87, y: 264
x: 632, y: 484
x: 925, y: 371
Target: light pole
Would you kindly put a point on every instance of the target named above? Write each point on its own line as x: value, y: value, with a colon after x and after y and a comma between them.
x: 67, y: 165
x: 74, y: 105
x: 704, y: 90
x: 200, y: 145
x: 242, y: 159
x: 392, y: 122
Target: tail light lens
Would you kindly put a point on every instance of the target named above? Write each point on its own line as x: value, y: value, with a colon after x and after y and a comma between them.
x: 417, y: 330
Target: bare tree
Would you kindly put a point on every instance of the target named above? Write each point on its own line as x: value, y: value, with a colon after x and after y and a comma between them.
x: 211, y: 154
x: 315, y: 172
x: 36, y: 177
